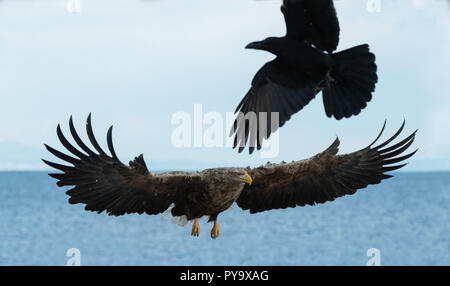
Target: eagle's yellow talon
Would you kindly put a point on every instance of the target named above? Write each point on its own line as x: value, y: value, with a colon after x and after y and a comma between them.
x: 195, y: 228
x: 215, y: 231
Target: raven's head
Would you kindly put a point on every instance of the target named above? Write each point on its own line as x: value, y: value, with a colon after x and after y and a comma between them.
x: 271, y: 44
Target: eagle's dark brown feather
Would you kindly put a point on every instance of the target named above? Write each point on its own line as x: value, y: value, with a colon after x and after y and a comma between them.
x: 103, y: 183
x: 323, y: 177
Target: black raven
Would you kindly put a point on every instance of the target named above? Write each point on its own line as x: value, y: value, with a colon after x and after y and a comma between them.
x: 304, y: 65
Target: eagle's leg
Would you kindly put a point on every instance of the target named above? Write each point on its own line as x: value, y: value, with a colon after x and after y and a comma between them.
x: 195, y: 228
x: 215, y: 231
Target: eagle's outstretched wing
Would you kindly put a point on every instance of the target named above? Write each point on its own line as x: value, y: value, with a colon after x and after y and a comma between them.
x: 314, y: 21
x: 103, y: 183
x: 276, y: 88
x: 323, y: 177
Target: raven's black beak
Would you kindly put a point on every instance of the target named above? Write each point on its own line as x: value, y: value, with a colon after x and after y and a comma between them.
x: 255, y: 45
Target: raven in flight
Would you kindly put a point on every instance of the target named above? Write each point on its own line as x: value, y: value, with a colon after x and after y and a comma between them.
x: 304, y: 65
x: 103, y: 183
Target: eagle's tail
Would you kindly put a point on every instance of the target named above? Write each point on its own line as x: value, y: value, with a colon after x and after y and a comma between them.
x: 348, y: 86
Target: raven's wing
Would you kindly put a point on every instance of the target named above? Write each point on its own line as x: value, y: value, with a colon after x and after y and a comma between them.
x: 276, y: 88
x: 103, y: 183
x: 314, y: 21
x: 323, y: 177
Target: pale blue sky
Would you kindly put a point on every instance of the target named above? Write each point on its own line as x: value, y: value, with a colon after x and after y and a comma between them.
x: 135, y: 63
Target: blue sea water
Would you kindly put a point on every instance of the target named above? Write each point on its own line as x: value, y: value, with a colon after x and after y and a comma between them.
x: 406, y: 218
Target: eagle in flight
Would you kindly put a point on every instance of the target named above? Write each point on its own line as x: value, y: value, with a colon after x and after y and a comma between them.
x: 103, y: 183
x: 305, y: 64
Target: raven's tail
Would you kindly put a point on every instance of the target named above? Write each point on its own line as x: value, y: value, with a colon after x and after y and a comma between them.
x: 348, y: 86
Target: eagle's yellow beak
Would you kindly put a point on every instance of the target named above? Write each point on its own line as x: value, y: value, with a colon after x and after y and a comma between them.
x: 246, y: 179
